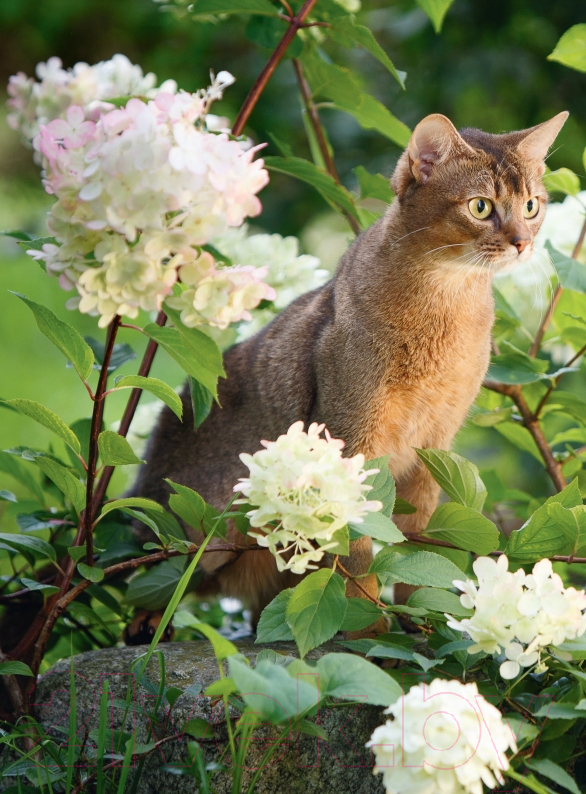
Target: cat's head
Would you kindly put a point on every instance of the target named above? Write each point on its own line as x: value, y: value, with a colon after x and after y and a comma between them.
x: 473, y: 198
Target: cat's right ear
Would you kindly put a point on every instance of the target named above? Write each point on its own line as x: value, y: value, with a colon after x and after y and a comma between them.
x: 432, y: 141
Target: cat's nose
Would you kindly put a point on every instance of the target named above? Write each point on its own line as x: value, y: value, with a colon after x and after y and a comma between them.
x: 520, y: 243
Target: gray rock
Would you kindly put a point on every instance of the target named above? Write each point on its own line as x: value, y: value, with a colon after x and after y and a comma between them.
x: 302, y: 765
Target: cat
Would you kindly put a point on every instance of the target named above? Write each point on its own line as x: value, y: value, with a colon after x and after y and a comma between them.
x: 390, y: 354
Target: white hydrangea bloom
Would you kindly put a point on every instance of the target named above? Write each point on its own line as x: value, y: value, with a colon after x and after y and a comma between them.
x: 444, y: 737
x: 517, y: 614
x: 303, y: 491
x: 139, y: 188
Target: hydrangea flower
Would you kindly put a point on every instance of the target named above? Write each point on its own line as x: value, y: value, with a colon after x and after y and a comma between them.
x: 519, y: 614
x: 303, y: 491
x: 138, y: 190
x: 444, y: 737
x: 289, y: 273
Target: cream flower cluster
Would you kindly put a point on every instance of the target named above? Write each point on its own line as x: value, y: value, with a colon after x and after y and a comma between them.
x: 444, y: 737
x: 289, y: 273
x: 35, y: 103
x: 138, y: 190
x: 303, y: 491
x: 519, y: 614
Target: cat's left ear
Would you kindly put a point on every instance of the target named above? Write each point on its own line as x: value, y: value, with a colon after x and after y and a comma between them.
x: 535, y: 141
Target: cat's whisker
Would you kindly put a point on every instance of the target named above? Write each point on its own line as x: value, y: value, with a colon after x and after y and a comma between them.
x: 423, y: 228
x: 441, y: 247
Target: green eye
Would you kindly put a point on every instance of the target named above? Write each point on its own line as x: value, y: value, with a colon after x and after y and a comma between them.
x: 531, y: 208
x: 480, y: 208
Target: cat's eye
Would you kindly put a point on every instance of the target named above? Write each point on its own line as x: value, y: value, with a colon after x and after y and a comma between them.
x: 531, y: 208
x: 480, y: 208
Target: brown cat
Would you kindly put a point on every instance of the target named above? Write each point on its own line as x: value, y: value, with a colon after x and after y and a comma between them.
x: 389, y: 354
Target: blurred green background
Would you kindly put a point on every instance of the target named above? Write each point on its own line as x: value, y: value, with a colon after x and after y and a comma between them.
x: 487, y: 68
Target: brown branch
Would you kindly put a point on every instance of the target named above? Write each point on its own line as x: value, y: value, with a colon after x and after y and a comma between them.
x: 318, y: 129
x: 531, y: 422
x: 363, y: 590
x: 13, y: 689
x: 87, y: 518
x: 413, y: 537
x: 128, y: 415
x: 266, y: 74
x: 556, y: 381
x: 534, y: 349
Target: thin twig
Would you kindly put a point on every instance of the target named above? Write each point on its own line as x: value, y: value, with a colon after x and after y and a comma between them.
x: 266, y: 74
x: 534, y: 349
x: 556, y: 381
x: 318, y: 129
x: 363, y: 590
x: 531, y: 422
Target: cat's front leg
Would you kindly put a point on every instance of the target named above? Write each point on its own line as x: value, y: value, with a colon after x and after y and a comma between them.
x: 421, y: 490
x: 357, y: 564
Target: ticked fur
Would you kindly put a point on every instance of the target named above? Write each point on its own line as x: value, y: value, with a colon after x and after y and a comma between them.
x: 390, y: 354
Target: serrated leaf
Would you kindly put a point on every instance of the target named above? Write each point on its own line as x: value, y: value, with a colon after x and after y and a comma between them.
x: 121, y: 354
x: 193, y: 350
x: 15, y: 468
x: 16, y: 234
x: 571, y: 48
x: 516, y: 367
x: 33, y: 585
x: 15, y: 668
x: 132, y: 501
x: 29, y: 544
x: 65, y: 481
x: 46, y: 418
x: 307, y: 172
x: 464, y: 528
x: 155, y: 386
x: 344, y: 676
x: 115, y: 450
x: 37, y: 245
x: 562, y: 181
x: 207, y: 7
x: 201, y: 402
x: 360, y: 614
x: 373, y: 185
x: 458, y: 477
x: 90, y: 572
x: 316, y: 609
x: 362, y: 35
x: 270, y: 690
x: 550, y: 770
x: 436, y: 11
x: 435, y: 600
x: 188, y: 505
x: 421, y: 568
x: 153, y: 589
x: 63, y: 336
x: 383, y: 484
x: 571, y: 273
x: 403, y: 507
x: 379, y: 527
x: 273, y: 626
x: 267, y: 31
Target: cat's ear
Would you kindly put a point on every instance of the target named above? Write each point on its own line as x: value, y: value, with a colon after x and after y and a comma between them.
x: 535, y: 141
x: 433, y: 140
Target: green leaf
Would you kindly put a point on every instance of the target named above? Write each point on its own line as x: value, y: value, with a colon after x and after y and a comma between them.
x: 273, y: 626
x: 362, y: 35
x: 308, y: 172
x: 63, y: 336
x: 90, y: 572
x: 379, y: 527
x: 46, y: 589
x: 390, y: 652
x: 223, y: 648
x: 267, y: 31
x: 360, y: 613
x: 515, y: 366
x: 382, y: 484
x: 403, y: 507
x: 8, y: 496
x: 16, y: 234
x: 344, y: 676
x: 458, y: 477
x: 420, y: 568
x: 436, y: 11
x: 562, y: 181
x: 132, y: 501
x: 207, y: 7
x: 65, y: 481
x: 15, y: 668
x: 46, y: 418
x: 571, y: 48
x: 541, y: 536
x: 37, y: 245
x: 373, y: 115
x: 435, y: 600
x: 518, y: 435
x: 492, y: 418
x: 551, y: 770
x: 15, y: 468
x: 28, y: 544
x: 193, y: 350
x: 571, y: 273
x: 569, y: 404
x: 188, y: 505
x: 155, y: 386
x: 316, y: 609
x: 153, y: 589
x: 199, y: 728
x: 373, y: 185
x: 201, y: 402
x: 121, y: 354
x: 115, y: 450
x: 464, y: 528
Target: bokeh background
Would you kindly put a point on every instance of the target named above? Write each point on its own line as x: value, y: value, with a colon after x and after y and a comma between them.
x: 487, y: 68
